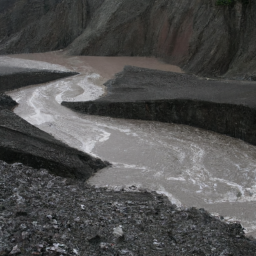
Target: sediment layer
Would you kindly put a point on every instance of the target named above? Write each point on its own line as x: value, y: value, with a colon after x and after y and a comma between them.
x: 22, y: 142
x: 14, y: 77
x: 226, y: 107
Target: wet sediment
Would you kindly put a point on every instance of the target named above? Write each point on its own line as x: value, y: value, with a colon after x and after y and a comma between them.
x: 6, y: 102
x: 73, y: 218
x: 24, y: 143
x: 13, y: 77
x: 226, y: 107
x: 234, y: 120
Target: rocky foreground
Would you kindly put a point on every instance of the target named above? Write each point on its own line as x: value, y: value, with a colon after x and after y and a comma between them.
x: 42, y: 214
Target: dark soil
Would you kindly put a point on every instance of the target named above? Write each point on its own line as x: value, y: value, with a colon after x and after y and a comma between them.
x: 22, y: 142
x: 7, y: 102
x: 12, y: 77
x: 226, y: 106
x: 42, y: 214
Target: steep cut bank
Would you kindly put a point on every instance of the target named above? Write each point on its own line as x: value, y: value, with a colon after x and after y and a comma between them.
x: 226, y: 107
x: 14, y: 78
x: 6, y: 102
x: 198, y: 35
x: 22, y: 142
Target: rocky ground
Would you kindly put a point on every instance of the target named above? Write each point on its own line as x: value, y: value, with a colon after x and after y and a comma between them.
x: 43, y: 214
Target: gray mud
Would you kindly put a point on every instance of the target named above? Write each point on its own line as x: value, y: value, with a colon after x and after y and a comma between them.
x: 192, y: 166
x: 22, y: 142
x: 13, y: 78
x: 225, y: 106
x: 7, y: 102
x: 41, y: 214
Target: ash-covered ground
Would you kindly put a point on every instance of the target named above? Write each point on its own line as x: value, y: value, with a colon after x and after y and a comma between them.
x: 43, y: 214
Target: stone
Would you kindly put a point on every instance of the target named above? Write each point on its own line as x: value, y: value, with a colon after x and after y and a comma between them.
x: 15, y: 250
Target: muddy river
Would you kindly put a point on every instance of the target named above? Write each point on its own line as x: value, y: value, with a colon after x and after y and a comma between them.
x: 193, y: 167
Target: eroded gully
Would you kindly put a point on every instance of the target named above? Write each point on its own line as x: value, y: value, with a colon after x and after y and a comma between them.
x: 193, y: 167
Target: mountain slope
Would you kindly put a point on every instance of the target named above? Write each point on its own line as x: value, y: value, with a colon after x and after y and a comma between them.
x: 198, y: 35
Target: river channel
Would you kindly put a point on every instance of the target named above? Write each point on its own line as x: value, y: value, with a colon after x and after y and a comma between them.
x: 193, y: 167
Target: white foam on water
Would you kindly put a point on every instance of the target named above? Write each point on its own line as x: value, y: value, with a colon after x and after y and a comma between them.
x: 191, y: 166
x: 39, y: 117
x: 90, y: 90
x: 172, y: 198
x: 176, y: 178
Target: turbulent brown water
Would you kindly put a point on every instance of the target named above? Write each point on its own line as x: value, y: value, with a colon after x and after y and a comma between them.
x: 193, y: 167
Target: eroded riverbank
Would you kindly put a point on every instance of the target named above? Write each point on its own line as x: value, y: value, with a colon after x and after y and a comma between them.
x: 43, y: 214
x: 192, y: 166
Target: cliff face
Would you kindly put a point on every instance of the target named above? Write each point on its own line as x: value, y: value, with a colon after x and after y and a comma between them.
x: 40, y: 25
x: 203, y: 38
x: 198, y: 35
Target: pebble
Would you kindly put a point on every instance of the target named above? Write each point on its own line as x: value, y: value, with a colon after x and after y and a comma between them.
x: 15, y: 250
x: 91, y: 223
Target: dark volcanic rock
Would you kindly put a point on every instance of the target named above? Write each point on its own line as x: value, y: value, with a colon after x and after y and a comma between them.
x: 203, y: 38
x: 24, y: 143
x: 227, y: 107
x: 46, y: 215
